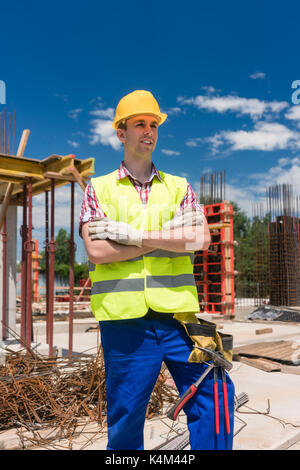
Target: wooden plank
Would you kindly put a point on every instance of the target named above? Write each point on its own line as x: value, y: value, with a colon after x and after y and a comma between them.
x: 283, y: 351
x: 262, y: 364
x: 19, y: 164
x: 59, y: 165
x: 19, y: 174
x: 17, y: 170
x: 78, y: 177
x: 86, y: 167
x: 262, y: 331
x: 59, y: 176
x: 16, y: 179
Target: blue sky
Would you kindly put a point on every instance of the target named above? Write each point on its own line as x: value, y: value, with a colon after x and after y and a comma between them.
x: 223, y: 71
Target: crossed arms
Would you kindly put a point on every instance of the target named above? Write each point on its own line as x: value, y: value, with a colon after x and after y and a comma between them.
x: 192, y: 238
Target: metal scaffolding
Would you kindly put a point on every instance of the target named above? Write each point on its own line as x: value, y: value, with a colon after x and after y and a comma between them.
x: 20, y: 180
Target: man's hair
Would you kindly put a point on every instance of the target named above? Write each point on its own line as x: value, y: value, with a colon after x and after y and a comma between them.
x: 123, y: 125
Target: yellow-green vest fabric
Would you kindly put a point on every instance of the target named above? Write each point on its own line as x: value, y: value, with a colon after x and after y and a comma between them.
x: 162, y: 280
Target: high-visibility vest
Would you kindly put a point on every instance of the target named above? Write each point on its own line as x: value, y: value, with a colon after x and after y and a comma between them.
x: 162, y: 280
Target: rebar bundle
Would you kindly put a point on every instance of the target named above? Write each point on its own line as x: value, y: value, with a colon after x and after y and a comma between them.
x: 284, y: 246
x: 212, y: 187
x: 59, y: 395
x: 261, y: 252
x: 7, y: 132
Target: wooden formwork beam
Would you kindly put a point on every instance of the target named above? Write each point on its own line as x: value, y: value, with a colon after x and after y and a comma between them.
x: 63, y: 169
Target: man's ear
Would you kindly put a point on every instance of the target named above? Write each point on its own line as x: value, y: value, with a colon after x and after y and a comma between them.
x: 121, y: 135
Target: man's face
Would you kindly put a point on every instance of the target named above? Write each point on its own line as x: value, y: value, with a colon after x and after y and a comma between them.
x: 140, y: 137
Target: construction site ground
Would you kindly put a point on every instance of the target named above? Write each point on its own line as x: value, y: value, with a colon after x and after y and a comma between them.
x: 269, y: 421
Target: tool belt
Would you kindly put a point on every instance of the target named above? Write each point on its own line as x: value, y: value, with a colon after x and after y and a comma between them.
x: 204, y: 334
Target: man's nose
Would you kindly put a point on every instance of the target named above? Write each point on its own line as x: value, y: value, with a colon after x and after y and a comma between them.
x: 148, y: 130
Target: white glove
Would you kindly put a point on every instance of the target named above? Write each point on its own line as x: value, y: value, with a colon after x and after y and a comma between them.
x: 187, y: 218
x: 119, y: 232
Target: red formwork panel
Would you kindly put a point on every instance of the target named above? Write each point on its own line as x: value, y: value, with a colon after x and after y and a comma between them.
x: 214, y: 268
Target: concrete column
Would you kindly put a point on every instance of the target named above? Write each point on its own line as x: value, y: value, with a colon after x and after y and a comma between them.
x: 11, y: 229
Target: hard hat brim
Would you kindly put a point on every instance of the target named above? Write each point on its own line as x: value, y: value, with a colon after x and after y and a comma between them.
x: 161, y: 118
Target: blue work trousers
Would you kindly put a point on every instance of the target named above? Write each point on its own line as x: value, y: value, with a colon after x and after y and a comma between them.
x: 134, y: 350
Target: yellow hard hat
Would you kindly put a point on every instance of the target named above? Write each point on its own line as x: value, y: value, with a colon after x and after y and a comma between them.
x: 135, y: 103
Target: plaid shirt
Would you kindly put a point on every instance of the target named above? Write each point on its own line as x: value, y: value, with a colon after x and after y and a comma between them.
x: 91, y: 207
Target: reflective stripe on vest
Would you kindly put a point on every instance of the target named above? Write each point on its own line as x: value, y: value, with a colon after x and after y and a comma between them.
x: 135, y: 285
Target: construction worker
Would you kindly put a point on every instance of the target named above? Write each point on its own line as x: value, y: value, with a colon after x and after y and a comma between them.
x: 140, y: 227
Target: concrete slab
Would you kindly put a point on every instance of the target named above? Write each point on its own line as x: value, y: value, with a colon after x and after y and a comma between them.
x: 280, y: 429
x: 244, y: 332
x: 295, y: 446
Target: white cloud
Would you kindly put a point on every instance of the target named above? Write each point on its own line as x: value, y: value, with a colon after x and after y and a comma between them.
x: 170, y: 152
x: 210, y: 89
x: 78, y: 133
x: 206, y: 170
x: 108, y: 113
x: 175, y: 110
x: 266, y: 136
x: 253, y: 190
x: 257, y: 75
x: 62, y: 97
x: 293, y: 113
x: 103, y: 133
x: 250, y: 189
x: 244, y: 197
x: 194, y: 142
x: 74, y: 113
x: 253, y: 107
x: 287, y: 171
x: 74, y: 144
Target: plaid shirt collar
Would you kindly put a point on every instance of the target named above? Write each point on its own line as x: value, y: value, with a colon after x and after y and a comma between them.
x: 123, y: 172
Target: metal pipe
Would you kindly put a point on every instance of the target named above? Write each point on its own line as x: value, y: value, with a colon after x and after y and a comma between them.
x: 9, y: 132
x: 51, y: 270
x: 24, y: 264
x: 71, y: 274
x: 36, y: 272
x: 29, y: 249
x: 1, y: 126
x: 14, y: 131
x: 4, y: 280
x: 4, y: 130
x: 47, y: 263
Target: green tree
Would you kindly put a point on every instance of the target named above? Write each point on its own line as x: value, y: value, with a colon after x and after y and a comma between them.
x: 62, y: 253
x: 251, y: 254
x: 62, y: 259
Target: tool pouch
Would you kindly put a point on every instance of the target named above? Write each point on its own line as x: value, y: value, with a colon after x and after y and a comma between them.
x: 225, y: 345
x: 205, y: 335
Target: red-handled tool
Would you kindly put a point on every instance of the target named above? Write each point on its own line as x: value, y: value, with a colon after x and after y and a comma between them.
x: 225, y: 396
x: 216, y: 399
x: 173, y: 413
x: 217, y: 361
